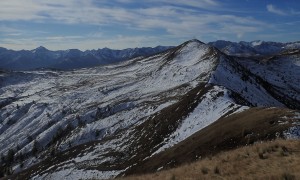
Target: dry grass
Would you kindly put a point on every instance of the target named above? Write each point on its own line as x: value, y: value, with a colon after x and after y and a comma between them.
x: 237, y: 130
x: 278, y: 159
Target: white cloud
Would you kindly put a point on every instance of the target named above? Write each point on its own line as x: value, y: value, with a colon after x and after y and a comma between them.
x: 6, y: 29
x: 75, y: 11
x: 173, y: 17
x: 192, y: 3
x: 175, y: 20
x: 272, y: 9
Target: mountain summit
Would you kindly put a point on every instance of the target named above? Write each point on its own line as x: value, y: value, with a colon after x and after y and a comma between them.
x: 144, y: 114
x: 40, y: 49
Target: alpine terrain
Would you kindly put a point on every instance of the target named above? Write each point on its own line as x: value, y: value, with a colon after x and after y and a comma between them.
x: 42, y: 58
x: 148, y: 113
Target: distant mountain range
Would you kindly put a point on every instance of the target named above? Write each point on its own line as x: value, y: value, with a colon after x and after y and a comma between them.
x: 74, y: 58
x: 69, y: 59
x: 253, y: 48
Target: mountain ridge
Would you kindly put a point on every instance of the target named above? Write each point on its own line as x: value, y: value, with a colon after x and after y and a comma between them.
x: 257, y: 47
x: 69, y: 59
x: 106, y: 121
x: 42, y: 58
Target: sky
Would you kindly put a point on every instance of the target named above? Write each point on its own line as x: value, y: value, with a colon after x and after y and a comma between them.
x: 119, y: 24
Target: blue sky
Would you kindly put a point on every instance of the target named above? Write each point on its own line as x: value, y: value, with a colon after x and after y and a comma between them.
x: 118, y: 24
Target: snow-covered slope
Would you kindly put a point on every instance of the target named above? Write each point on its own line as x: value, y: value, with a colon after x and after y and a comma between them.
x: 253, y: 48
x: 69, y: 59
x: 99, y: 122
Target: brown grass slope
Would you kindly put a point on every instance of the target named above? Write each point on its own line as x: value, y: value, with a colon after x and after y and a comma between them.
x: 255, y: 124
x: 279, y: 159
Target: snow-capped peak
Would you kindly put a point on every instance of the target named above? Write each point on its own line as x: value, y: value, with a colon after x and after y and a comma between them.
x: 256, y: 43
x: 40, y: 49
x: 104, y: 120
